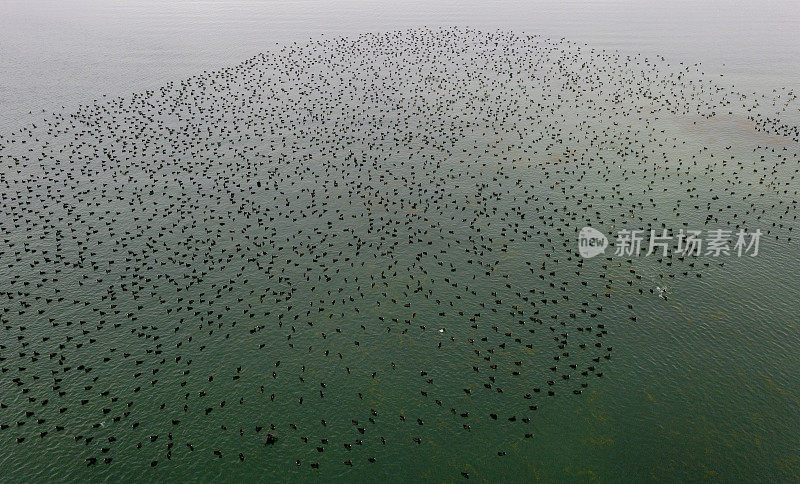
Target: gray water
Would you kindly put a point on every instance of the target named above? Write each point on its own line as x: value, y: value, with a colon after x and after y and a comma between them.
x: 61, y: 53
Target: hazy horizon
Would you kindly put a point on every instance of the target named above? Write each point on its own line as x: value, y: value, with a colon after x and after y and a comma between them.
x: 64, y: 53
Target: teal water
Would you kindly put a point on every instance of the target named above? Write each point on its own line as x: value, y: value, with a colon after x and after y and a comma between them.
x: 332, y: 205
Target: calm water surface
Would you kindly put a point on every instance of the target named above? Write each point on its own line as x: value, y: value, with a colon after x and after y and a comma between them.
x: 62, y: 53
x: 702, y: 385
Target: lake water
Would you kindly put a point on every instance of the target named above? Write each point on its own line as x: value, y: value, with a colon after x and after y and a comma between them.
x: 187, y: 260
x: 57, y: 53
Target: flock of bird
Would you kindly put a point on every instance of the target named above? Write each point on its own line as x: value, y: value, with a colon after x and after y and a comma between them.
x: 348, y: 248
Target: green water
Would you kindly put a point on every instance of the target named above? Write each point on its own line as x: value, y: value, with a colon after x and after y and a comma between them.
x: 332, y: 206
